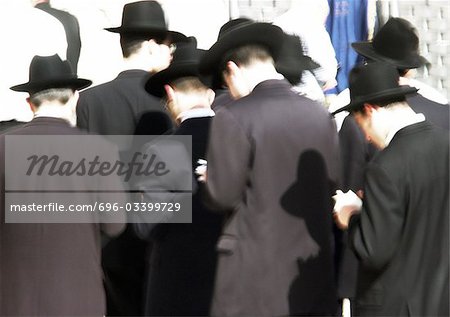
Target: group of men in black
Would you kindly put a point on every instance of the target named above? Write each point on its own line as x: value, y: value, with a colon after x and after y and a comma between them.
x: 289, y: 216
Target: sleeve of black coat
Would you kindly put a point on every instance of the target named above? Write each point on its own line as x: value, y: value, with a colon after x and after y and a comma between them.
x: 229, y: 155
x: 82, y: 113
x: 376, y: 232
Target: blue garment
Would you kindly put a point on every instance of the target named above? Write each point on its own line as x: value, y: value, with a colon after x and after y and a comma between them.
x: 346, y: 23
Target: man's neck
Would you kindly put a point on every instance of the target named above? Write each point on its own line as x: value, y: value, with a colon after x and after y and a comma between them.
x: 400, y: 117
x: 56, y: 110
x: 259, y: 72
x: 135, y: 62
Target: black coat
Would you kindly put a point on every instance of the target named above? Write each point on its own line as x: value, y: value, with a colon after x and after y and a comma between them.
x: 436, y: 113
x: 116, y: 107
x: 183, y: 259
x: 356, y: 152
x: 401, y: 236
x: 72, y: 30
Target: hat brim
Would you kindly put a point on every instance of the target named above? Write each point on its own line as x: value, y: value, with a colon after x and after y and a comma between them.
x: 33, y: 87
x: 297, y: 66
x: 382, y: 95
x: 366, y: 49
x: 146, y: 31
x: 265, y: 34
x: 155, y: 84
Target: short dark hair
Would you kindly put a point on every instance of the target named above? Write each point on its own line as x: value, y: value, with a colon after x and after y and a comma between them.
x: 131, y: 43
x: 61, y: 95
x: 246, y: 55
x: 188, y: 84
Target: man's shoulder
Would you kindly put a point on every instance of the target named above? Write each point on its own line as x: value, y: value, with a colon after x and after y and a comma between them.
x: 259, y: 101
x: 198, y: 126
x: 122, y: 84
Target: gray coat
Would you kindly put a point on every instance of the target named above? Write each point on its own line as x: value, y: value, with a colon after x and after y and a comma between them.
x: 272, y: 159
x: 52, y: 269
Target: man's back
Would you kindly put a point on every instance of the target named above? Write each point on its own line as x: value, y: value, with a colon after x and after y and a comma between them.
x: 281, y: 223
x: 404, y: 264
x: 115, y: 107
x: 184, y: 258
x: 52, y: 268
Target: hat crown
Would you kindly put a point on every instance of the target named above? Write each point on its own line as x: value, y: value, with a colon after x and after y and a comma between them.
x: 143, y: 18
x: 371, y: 79
x: 187, y: 52
x: 396, y: 39
x: 232, y: 24
x: 48, y: 72
x: 143, y: 14
x: 49, y: 68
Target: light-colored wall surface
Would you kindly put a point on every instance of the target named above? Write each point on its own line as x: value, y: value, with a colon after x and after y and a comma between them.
x: 100, y: 58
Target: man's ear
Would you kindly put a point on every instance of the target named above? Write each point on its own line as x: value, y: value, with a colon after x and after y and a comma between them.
x: 232, y: 69
x: 170, y: 93
x: 369, y: 108
x: 73, y: 101
x: 210, y: 94
x: 150, y: 46
x: 32, y: 106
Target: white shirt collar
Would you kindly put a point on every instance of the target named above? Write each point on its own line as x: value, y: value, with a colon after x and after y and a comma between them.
x: 416, y: 118
x: 195, y: 113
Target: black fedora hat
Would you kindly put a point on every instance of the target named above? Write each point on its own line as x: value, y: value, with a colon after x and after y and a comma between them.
x: 216, y: 78
x: 145, y: 18
x: 374, y: 82
x: 184, y: 64
x: 292, y: 61
x: 265, y: 34
x: 48, y: 72
x: 396, y: 43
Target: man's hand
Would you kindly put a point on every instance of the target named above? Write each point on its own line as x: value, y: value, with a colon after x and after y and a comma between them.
x: 347, y: 204
x: 201, y: 170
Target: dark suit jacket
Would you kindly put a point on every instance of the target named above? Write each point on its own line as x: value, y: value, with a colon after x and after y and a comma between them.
x: 356, y: 152
x: 183, y: 260
x: 115, y: 107
x: 273, y: 160
x: 72, y: 29
x: 401, y: 236
x: 436, y: 113
x: 51, y: 269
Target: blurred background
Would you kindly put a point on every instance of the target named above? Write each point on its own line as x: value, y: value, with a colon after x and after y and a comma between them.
x: 23, y: 34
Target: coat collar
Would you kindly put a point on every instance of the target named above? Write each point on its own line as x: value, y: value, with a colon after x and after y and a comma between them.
x: 48, y: 121
x: 271, y: 84
x: 133, y: 73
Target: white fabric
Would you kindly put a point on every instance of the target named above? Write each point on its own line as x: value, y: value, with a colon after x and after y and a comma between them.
x: 346, y: 199
x: 25, y: 32
x: 337, y: 102
x: 415, y: 118
x: 424, y: 90
x: 307, y: 20
x: 195, y: 113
